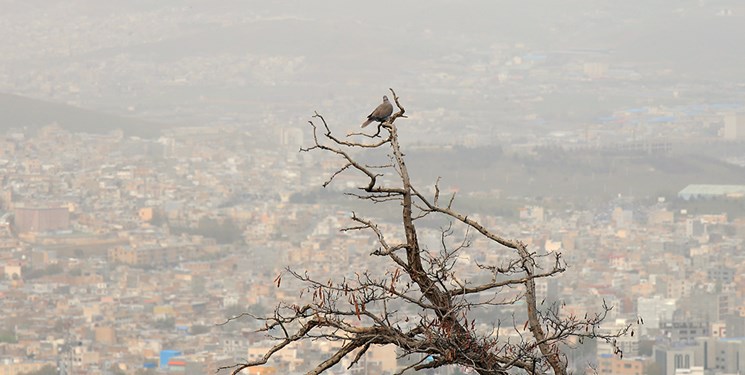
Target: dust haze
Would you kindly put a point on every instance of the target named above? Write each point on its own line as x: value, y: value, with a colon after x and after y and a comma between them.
x: 151, y: 180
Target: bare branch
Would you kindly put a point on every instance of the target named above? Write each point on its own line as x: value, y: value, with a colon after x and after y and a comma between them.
x: 418, y: 302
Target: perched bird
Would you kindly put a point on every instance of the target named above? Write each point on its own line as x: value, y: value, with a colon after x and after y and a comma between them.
x: 381, y: 113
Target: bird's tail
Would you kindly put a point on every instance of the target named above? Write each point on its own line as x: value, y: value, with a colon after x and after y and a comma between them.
x: 368, y: 122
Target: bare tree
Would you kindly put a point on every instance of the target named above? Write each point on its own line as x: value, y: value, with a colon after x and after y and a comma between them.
x: 421, y: 304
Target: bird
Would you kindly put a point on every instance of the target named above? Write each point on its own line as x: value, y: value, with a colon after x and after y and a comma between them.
x: 381, y: 113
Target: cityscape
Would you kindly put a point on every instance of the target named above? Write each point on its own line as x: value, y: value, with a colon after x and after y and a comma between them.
x: 153, y: 185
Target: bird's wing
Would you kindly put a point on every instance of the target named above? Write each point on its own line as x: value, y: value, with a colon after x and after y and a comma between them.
x: 382, y: 111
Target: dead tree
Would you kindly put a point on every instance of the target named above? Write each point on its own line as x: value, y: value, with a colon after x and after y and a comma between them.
x: 420, y: 304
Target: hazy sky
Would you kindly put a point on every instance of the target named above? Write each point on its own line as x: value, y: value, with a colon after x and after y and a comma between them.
x: 199, y: 60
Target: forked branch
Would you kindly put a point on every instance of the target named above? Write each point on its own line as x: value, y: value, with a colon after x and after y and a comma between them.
x: 420, y: 304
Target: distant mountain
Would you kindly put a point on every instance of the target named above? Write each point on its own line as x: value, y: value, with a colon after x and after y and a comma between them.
x: 19, y: 112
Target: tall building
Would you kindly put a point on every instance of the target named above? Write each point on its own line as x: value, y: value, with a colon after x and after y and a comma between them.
x: 722, y: 355
x: 673, y: 359
x: 684, y: 331
x: 628, y: 344
x: 655, y: 310
x: 734, y: 126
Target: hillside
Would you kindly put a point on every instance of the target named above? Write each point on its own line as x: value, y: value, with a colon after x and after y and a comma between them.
x: 19, y: 112
x: 576, y: 176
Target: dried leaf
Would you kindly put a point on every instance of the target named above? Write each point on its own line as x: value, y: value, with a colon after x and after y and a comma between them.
x: 356, y: 308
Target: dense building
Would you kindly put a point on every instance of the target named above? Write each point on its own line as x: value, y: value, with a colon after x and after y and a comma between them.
x: 610, y: 364
x: 8, y: 367
x: 152, y: 255
x: 41, y: 219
